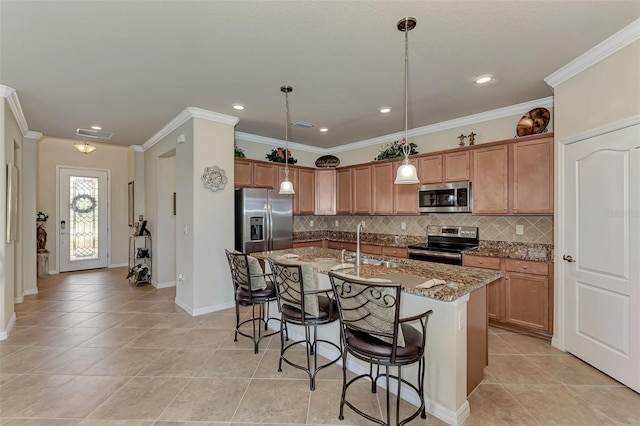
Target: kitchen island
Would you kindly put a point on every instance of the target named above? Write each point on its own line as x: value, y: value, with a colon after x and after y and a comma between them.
x: 456, y: 350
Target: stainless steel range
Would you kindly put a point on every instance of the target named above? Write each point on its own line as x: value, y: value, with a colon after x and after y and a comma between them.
x: 445, y: 244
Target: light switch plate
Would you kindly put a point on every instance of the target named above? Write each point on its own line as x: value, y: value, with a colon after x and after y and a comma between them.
x: 311, y: 223
x: 519, y: 229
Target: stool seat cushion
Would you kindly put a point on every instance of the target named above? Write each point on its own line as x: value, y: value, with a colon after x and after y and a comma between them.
x: 268, y: 293
x: 327, y: 311
x: 371, y: 346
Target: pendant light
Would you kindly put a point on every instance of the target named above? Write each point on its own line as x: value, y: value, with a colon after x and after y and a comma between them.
x: 407, y: 173
x: 286, y: 186
x: 84, y: 147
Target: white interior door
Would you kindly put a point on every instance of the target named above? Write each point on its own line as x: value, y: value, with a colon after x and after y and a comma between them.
x: 602, y: 251
x: 83, y: 219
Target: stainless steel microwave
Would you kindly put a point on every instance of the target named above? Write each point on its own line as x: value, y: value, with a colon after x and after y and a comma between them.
x: 452, y: 197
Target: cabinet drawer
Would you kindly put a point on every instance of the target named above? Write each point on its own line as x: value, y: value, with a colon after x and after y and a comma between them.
x: 395, y: 251
x: 370, y: 249
x: 527, y: 267
x: 339, y: 245
x: 307, y: 244
x: 482, y: 262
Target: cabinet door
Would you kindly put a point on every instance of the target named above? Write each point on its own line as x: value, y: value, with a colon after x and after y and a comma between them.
x: 532, y: 186
x: 265, y: 175
x: 494, y: 289
x: 243, y: 174
x: 490, y: 180
x: 527, y: 301
x: 305, y: 192
x: 430, y: 169
x: 325, y: 192
x: 456, y: 167
x: 382, y: 188
x: 405, y: 197
x: 343, y: 191
x: 361, y: 190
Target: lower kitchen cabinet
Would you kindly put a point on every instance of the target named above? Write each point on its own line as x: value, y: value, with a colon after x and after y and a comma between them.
x: 395, y: 252
x: 338, y: 245
x: 303, y: 244
x: 522, y: 299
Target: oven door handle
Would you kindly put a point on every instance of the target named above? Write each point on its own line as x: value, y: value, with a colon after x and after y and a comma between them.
x: 435, y: 253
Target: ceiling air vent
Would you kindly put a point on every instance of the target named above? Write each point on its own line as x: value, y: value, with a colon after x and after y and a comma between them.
x: 302, y: 124
x: 93, y: 134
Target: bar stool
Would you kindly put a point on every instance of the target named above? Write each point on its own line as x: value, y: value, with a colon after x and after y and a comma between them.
x: 251, y: 287
x: 372, y: 331
x: 301, y: 303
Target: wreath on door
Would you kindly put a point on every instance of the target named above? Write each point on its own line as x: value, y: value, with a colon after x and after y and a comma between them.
x: 83, y: 203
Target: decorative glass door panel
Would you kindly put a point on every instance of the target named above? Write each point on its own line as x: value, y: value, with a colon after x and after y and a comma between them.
x: 83, y: 217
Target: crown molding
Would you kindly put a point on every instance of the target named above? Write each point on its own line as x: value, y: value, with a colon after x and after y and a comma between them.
x: 619, y: 40
x: 248, y: 137
x: 136, y: 148
x: 183, y: 117
x: 33, y: 135
x: 11, y: 96
x: 450, y: 124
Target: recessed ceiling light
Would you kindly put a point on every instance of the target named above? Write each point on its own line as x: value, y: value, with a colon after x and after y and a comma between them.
x: 385, y: 110
x: 96, y: 127
x: 324, y: 129
x: 484, y: 79
x: 239, y: 107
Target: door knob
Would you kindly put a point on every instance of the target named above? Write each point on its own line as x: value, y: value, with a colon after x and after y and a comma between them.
x: 568, y: 258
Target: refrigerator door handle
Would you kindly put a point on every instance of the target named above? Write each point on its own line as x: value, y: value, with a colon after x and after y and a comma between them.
x: 269, y: 230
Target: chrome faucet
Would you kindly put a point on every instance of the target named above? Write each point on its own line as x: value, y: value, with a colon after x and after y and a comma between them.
x: 358, y: 229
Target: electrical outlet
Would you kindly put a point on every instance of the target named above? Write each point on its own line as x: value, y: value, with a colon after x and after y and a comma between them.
x: 363, y: 223
x: 403, y: 226
x: 337, y: 223
x: 311, y: 223
x: 181, y: 278
x: 519, y: 229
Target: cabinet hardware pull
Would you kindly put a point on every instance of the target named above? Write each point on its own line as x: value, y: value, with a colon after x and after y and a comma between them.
x: 524, y: 267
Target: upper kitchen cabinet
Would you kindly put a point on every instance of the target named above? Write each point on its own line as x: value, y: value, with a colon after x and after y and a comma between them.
x: 325, y: 192
x: 382, y: 186
x: 532, y: 184
x: 255, y: 174
x: 305, y: 198
x: 514, y: 178
x: 343, y: 190
x: 361, y: 190
x: 405, y: 197
x: 491, y: 180
x: 449, y: 167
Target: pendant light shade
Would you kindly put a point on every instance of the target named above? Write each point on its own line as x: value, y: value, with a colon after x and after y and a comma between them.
x: 407, y: 173
x: 286, y: 186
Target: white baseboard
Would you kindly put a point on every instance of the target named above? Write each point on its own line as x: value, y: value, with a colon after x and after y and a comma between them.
x: 118, y: 265
x: 53, y: 272
x: 31, y: 292
x: 18, y: 299
x: 201, y: 311
x: 5, y: 334
x: 163, y: 285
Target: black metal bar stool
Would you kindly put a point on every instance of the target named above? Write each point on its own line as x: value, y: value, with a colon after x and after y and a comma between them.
x: 301, y: 303
x: 372, y: 331
x: 252, y: 287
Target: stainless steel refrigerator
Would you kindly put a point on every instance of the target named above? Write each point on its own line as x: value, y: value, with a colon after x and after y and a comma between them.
x: 263, y: 220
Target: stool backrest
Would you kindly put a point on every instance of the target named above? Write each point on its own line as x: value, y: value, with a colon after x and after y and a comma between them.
x: 295, y: 285
x: 246, y: 272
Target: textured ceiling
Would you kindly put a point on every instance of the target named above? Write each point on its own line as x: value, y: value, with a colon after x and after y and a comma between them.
x: 133, y: 66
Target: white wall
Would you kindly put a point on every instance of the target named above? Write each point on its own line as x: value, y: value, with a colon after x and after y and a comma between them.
x: 29, y: 197
x: 166, y: 266
x: 53, y: 152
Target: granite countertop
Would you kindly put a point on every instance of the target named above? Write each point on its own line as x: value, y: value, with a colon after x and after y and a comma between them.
x: 460, y: 280
x: 509, y: 250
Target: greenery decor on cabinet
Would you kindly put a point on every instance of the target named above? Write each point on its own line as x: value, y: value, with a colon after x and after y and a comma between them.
x: 393, y: 150
x: 238, y: 152
x: 278, y: 156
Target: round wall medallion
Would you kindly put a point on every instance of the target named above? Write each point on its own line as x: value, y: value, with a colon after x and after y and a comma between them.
x: 214, y: 178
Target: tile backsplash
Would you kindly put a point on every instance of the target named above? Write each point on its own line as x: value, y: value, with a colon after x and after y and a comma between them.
x: 536, y: 229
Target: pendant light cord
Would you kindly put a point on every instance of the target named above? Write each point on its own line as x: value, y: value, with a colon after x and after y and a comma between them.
x: 286, y: 136
x: 405, y: 147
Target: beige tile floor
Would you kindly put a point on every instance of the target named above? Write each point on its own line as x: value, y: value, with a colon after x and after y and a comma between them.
x: 88, y: 349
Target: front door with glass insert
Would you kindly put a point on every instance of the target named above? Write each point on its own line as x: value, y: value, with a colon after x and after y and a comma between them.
x: 83, y: 219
